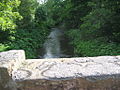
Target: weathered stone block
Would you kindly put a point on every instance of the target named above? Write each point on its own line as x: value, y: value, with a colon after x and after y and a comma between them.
x: 12, y: 55
x: 6, y: 83
x: 85, y: 73
x: 71, y: 84
x: 12, y: 58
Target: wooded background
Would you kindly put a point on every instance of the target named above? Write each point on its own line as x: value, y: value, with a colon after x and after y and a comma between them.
x: 92, y: 27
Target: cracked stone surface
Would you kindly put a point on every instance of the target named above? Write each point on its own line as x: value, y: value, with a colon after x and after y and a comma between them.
x: 82, y: 73
x: 91, y: 68
x: 12, y: 59
x: 12, y: 55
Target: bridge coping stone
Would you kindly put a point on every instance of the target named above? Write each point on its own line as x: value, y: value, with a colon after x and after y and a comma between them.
x: 12, y: 59
x: 80, y: 73
x: 91, y: 68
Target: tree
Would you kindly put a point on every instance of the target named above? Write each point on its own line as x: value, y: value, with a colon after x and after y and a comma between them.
x: 98, y: 30
x: 9, y: 14
x: 27, y: 9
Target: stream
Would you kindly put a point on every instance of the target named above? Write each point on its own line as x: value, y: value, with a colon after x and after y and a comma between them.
x: 52, y: 45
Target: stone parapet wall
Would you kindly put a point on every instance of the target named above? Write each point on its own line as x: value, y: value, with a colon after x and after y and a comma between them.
x: 12, y: 59
x: 6, y: 82
x: 71, y: 84
x: 67, y: 68
x: 12, y: 55
x: 82, y: 73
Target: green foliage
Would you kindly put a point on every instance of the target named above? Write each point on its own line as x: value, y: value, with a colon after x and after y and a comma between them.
x: 3, y: 47
x: 4, y: 36
x: 8, y: 14
x: 91, y: 26
x: 42, y: 19
x: 92, y: 47
x: 99, y: 29
x: 25, y: 36
x: 96, y: 48
x: 73, y: 11
x: 50, y: 13
x: 27, y: 9
x: 29, y: 40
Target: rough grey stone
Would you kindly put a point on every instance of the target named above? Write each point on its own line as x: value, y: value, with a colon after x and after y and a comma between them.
x: 6, y: 83
x: 12, y: 59
x: 91, y: 68
x: 59, y: 73
x: 12, y: 55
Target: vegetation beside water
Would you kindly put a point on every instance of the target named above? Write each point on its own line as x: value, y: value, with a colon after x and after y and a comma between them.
x: 92, y: 27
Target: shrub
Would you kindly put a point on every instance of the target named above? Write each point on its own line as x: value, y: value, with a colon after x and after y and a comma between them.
x: 29, y: 40
x: 98, y: 46
x: 3, y: 47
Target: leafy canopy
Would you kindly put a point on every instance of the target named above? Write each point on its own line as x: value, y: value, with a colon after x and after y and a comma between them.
x: 9, y: 14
